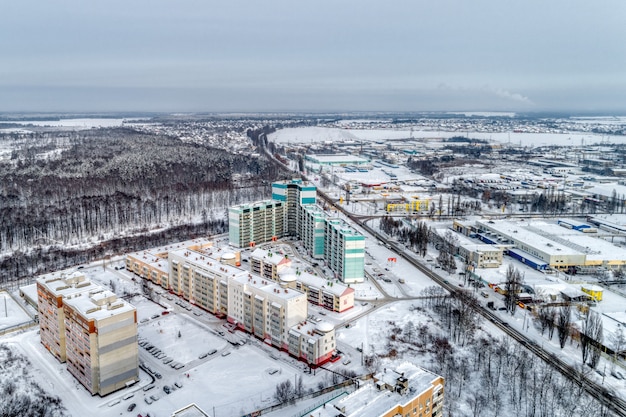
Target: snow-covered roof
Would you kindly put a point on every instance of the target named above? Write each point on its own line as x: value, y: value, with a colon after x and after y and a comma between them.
x: 267, y: 286
x: 595, y: 248
x: 311, y: 280
x: 99, y: 306
x: 207, y: 262
x: 606, y: 190
x: 369, y: 400
x: 520, y: 231
x: 337, y: 158
x: 66, y: 286
x: 269, y: 257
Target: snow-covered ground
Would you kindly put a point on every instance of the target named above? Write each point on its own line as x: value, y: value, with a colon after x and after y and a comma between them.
x: 82, y: 123
x: 244, y: 380
x: 11, y: 313
x: 307, y: 135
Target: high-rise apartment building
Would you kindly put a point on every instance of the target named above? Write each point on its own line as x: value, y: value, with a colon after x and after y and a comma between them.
x: 101, y: 335
x: 324, y: 237
x: 51, y: 292
x: 344, y: 251
x: 294, y: 194
x: 313, y: 230
x: 251, y: 224
x: 91, y: 330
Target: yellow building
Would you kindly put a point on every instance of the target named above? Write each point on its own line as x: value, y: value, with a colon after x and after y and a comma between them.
x: 200, y: 279
x: 413, y: 206
x: 406, y: 391
x: 150, y: 265
x: 594, y: 291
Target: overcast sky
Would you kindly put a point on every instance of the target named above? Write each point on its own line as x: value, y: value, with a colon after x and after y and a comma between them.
x: 325, y: 55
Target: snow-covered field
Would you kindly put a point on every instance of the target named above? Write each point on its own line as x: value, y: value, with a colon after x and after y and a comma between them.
x: 11, y: 313
x: 307, y: 135
x: 84, y: 123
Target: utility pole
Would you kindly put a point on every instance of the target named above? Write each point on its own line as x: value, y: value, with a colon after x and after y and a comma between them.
x: 361, y: 353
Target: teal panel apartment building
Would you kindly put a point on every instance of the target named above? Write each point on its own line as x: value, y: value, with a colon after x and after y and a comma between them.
x: 292, y: 211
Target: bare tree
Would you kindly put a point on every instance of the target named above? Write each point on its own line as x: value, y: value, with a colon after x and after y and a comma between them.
x: 595, y: 334
x: 512, y: 289
x: 618, y: 340
x: 564, y: 321
x: 284, y: 391
x: 372, y: 363
x: 591, y: 329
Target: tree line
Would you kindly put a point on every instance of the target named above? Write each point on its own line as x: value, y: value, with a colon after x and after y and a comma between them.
x: 60, y: 191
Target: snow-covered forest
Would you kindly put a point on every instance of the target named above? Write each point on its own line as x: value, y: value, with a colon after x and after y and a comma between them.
x: 69, y: 191
x: 485, y: 375
x: 21, y: 395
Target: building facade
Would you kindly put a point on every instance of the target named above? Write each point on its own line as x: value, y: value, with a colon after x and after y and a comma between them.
x: 344, y: 251
x: 150, y: 266
x: 312, y: 343
x: 51, y: 292
x: 102, y: 350
x: 259, y: 222
x: 268, y: 264
x: 313, y: 230
x: 259, y: 305
x: 265, y: 309
x: 201, y: 280
x: 294, y: 194
x: 319, y: 291
x: 91, y: 330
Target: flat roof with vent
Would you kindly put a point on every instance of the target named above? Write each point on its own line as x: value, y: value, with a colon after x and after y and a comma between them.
x: 65, y: 285
x: 99, y: 305
x: 267, y: 286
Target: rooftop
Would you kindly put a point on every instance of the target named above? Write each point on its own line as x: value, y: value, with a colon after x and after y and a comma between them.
x: 371, y: 401
x: 268, y: 286
x: 98, y: 306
